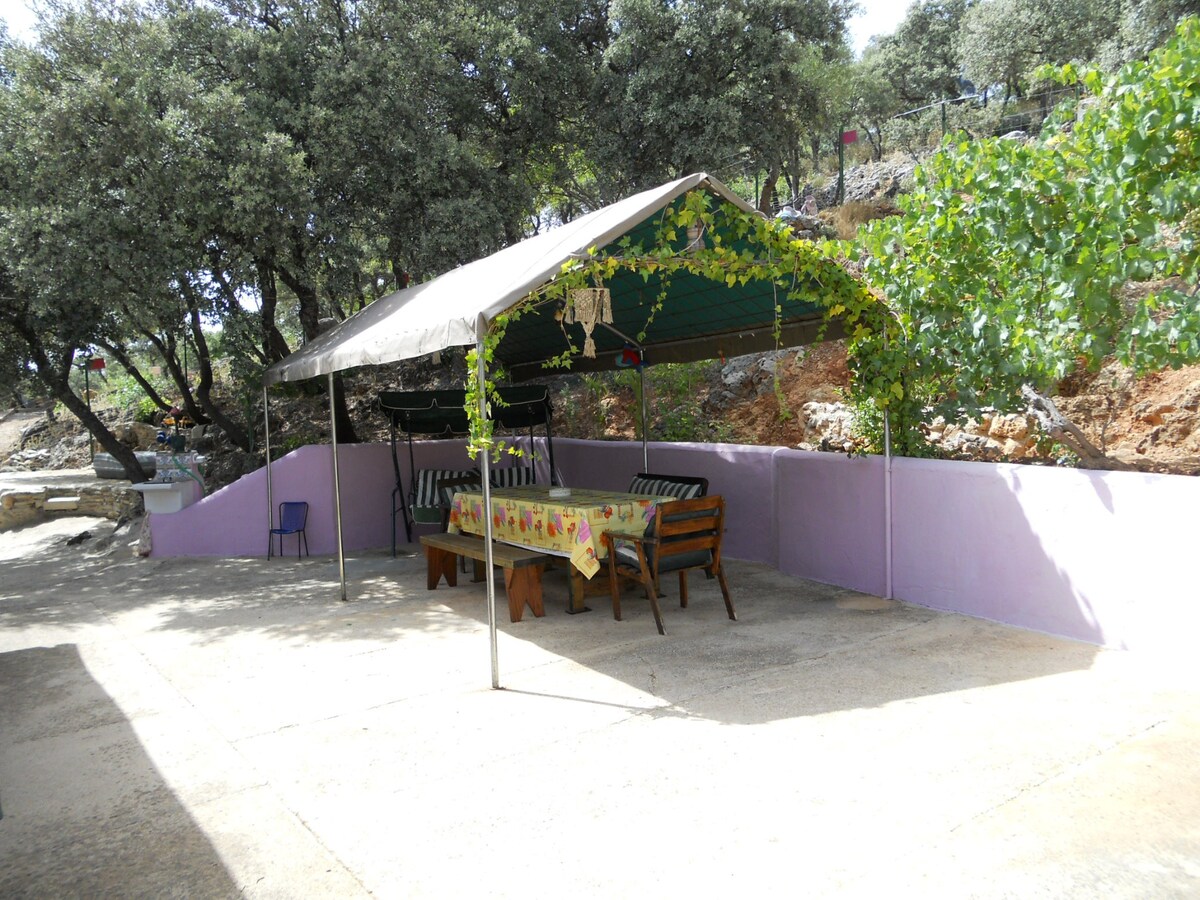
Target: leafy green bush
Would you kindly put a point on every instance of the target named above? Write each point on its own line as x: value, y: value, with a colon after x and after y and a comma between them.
x: 1010, y: 265
x: 146, y: 411
x: 678, y: 390
x: 287, y: 445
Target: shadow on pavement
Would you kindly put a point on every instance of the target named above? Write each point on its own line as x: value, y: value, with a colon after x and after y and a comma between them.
x: 799, y: 648
x: 86, y: 812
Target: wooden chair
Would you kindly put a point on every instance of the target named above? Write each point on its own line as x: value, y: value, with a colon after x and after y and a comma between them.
x: 685, y: 534
x: 425, y: 497
x: 448, y: 487
x: 681, y: 487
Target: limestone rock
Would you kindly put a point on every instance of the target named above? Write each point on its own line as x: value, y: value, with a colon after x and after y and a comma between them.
x: 830, y: 423
x: 145, y: 542
x: 1014, y: 449
x: 1011, y: 427
x: 137, y: 435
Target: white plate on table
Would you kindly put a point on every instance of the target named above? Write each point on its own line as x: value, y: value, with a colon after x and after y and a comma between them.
x: 559, y: 493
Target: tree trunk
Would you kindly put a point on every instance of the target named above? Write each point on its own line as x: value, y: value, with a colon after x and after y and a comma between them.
x: 233, y: 431
x: 767, y: 197
x: 399, y: 272
x: 341, y: 413
x: 121, y: 453
x: 274, y: 346
x: 233, y: 311
x: 311, y: 323
x: 166, y: 349
x: 58, y: 382
x: 1055, y: 424
x: 120, y: 355
x: 309, y: 302
x: 875, y: 139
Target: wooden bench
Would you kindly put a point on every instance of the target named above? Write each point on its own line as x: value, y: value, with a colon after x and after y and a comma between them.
x: 522, y: 568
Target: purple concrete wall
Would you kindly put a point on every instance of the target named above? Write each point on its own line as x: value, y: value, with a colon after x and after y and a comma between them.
x: 1105, y: 557
x: 233, y: 521
x: 830, y: 511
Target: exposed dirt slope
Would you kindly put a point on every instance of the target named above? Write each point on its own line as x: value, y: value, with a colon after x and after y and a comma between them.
x: 1152, y: 423
x: 12, y: 424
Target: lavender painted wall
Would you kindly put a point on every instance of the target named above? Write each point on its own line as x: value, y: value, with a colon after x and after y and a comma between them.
x: 233, y: 521
x: 1105, y: 557
x: 831, y: 518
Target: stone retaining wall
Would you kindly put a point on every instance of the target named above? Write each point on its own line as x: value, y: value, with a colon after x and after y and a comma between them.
x: 993, y: 438
x: 25, y: 505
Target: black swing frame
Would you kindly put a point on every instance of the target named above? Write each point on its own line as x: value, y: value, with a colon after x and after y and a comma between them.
x: 442, y: 414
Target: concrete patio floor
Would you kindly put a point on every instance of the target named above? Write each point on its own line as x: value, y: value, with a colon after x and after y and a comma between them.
x: 217, y: 728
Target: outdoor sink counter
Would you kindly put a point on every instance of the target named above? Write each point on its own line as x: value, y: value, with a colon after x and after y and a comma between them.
x: 177, y: 483
x: 168, y: 497
x: 562, y: 526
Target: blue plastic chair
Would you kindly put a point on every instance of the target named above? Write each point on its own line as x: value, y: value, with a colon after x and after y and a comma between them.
x: 292, y: 517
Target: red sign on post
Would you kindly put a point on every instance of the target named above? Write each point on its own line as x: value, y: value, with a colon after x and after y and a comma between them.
x: 849, y: 137
x: 96, y: 364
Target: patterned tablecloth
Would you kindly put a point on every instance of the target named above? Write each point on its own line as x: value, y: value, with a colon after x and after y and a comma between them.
x: 570, y: 526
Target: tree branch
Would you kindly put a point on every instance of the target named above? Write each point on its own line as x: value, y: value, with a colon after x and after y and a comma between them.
x: 1055, y: 424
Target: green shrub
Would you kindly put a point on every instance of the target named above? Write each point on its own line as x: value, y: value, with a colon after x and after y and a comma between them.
x: 287, y: 445
x: 678, y: 391
x: 146, y: 411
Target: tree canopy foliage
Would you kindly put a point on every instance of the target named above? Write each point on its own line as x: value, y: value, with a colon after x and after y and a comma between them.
x: 263, y: 168
x: 920, y: 60
x: 1017, y: 262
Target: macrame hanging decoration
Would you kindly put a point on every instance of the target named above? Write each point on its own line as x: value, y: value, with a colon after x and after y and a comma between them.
x: 587, y: 306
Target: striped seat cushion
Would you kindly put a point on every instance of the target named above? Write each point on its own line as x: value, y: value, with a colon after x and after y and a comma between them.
x: 627, y: 555
x: 662, y: 487
x: 626, y: 551
x: 512, y: 476
x: 448, y: 491
x: 427, y: 506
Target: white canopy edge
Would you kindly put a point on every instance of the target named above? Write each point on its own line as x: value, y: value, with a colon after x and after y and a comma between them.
x: 443, y: 312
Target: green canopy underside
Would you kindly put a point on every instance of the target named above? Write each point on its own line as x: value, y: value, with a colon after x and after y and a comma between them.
x: 699, y: 319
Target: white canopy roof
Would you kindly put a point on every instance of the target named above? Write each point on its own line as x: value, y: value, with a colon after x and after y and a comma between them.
x: 444, y: 312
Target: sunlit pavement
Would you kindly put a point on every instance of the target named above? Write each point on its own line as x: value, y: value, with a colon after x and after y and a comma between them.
x: 229, y: 727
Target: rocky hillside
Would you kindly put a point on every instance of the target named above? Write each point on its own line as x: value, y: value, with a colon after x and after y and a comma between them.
x: 1150, y: 424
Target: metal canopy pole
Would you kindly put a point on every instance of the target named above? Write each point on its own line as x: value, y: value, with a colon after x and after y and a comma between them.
x: 645, y: 445
x: 481, y: 327
x: 550, y: 445
x: 337, y: 491
x: 887, y: 502
x: 270, y: 492
x: 642, y: 381
x: 87, y: 392
x: 887, y: 491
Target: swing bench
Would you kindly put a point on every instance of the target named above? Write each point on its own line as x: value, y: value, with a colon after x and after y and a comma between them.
x: 442, y: 414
